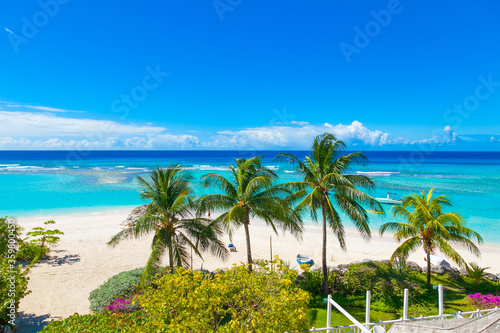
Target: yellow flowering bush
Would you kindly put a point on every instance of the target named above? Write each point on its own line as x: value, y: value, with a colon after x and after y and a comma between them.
x: 236, y: 300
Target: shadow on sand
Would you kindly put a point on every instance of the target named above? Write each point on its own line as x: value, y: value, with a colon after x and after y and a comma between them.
x: 68, y: 259
x: 54, y: 261
x: 31, y: 323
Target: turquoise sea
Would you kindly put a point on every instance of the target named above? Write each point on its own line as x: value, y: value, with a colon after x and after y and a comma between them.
x: 61, y: 182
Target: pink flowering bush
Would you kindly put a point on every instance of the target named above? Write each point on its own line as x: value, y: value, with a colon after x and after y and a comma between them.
x: 121, y: 305
x: 484, y: 301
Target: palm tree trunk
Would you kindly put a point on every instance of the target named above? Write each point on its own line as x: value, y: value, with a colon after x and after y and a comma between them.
x: 171, y: 256
x: 323, y: 254
x: 249, y: 250
x: 428, y: 267
x: 247, y: 236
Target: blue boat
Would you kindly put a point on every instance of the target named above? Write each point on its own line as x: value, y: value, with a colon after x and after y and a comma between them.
x: 304, y: 260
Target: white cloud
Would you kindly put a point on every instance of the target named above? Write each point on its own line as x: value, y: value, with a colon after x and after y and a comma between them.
x: 293, y: 122
x: 48, y: 109
x: 24, y: 107
x: 49, y: 130
x: 110, y: 143
x: 46, y: 125
x: 56, y: 143
x: 9, y: 31
x: 162, y: 141
x: 297, y: 137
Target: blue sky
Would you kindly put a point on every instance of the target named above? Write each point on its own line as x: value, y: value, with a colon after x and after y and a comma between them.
x: 238, y: 74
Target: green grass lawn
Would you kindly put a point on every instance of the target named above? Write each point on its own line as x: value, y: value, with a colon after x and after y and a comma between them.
x: 317, y: 316
x: 456, y: 290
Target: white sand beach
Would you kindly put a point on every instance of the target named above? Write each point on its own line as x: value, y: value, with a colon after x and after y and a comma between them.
x: 82, y: 261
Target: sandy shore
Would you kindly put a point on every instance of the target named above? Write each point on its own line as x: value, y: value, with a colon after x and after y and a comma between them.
x: 82, y: 261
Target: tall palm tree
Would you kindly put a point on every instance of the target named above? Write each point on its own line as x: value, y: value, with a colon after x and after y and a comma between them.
x: 168, y: 216
x: 428, y: 226
x: 249, y: 193
x: 326, y: 187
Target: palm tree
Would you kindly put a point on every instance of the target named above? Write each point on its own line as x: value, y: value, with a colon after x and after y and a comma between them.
x: 476, y: 273
x: 168, y: 216
x: 426, y: 225
x: 249, y: 193
x: 326, y: 187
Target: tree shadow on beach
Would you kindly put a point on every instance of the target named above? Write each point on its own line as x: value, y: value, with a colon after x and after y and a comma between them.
x: 31, y: 323
x: 54, y: 261
x: 68, y: 259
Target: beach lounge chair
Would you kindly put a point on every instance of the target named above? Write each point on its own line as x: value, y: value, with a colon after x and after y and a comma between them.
x: 231, y: 248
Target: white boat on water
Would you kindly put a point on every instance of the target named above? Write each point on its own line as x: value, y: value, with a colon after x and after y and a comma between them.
x: 389, y: 200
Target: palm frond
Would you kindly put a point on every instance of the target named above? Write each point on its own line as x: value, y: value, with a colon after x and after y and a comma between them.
x: 160, y: 243
x: 406, y: 248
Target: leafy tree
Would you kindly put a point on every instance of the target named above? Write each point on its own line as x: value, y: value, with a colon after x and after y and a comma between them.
x: 428, y: 226
x: 249, y: 193
x: 44, y: 237
x: 236, y: 300
x: 171, y: 204
x: 326, y: 187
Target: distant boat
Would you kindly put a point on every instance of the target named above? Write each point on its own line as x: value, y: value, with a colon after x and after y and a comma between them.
x: 304, y: 260
x: 375, y: 212
x: 389, y: 200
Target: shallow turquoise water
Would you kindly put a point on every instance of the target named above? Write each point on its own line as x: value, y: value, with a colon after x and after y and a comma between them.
x: 44, y: 183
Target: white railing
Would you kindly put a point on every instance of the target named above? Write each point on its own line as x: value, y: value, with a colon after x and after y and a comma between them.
x: 383, y: 326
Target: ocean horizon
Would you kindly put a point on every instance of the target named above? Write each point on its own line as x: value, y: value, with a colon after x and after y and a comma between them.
x: 46, y: 183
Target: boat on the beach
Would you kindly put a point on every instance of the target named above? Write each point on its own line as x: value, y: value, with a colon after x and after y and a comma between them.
x: 304, y: 260
x: 389, y: 200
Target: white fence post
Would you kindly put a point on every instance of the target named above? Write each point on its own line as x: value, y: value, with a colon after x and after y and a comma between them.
x: 405, y: 305
x: 329, y: 313
x: 358, y: 327
x: 368, y: 304
x: 351, y: 318
x: 440, y: 300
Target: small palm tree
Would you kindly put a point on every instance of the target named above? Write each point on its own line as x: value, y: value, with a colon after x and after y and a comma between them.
x: 249, y: 193
x: 168, y: 216
x: 428, y: 226
x: 476, y: 273
x: 326, y: 187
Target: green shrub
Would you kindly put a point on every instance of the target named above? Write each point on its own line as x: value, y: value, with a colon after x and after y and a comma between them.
x: 9, y: 231
x: 123, y: 284
x: 311, y: 281
x: 13, y: 287
x: 31, y: 251
x: 102, y: 323
x: 13, y: 280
